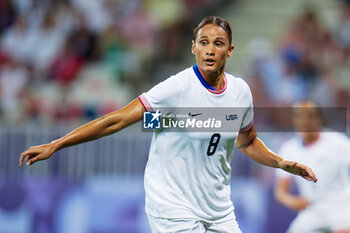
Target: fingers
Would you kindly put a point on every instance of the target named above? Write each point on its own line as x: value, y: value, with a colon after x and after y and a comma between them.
x: 21, y: 158
x: 30, y: 155
x: 313, y: 176
x: 33, y: 159
x: 304, y: 171
x: 25, y: 155
x: 309, y: 175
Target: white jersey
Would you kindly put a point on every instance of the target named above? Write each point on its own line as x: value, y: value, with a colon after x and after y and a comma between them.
x: 181, y: 180
x: 329, y: 158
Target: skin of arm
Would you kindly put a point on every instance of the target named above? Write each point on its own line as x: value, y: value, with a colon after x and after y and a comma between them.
x: 103, y: 126
x: 254, y: 148
x: 283, y: 195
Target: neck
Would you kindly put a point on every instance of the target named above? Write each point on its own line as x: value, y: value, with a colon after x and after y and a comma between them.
x: 214, y: 79
x: 310, y: 138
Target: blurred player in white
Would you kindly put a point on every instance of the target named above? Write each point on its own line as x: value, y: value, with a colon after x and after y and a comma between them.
x: 187, y: 178
x: 325, y: 205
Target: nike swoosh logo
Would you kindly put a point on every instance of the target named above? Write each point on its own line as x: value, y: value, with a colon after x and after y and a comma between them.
x: 193, y: 115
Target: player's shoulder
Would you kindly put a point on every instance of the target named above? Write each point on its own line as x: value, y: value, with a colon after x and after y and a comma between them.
x: 237, y: 82
x: 235, y: 79
x: 183, y: 74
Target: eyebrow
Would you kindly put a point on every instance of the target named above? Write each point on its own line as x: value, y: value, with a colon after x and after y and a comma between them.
x: 217, y: 38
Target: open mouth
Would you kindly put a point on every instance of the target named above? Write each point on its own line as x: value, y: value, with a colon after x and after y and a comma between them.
x: 209, y: 62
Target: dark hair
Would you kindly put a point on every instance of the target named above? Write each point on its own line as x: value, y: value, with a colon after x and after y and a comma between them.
x: 313, y: 104
x: 221, y: 22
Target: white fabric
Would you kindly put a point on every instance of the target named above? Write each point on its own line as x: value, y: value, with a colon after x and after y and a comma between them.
x: 181, y: 180
x: 162, y: 225
x: 329, y: 158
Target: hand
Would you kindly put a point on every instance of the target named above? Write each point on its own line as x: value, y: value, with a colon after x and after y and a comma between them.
x: 298, y: 169
x: 36, y: 153
x: 297, y: 203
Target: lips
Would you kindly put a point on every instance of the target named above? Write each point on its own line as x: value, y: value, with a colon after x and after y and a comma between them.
x: 209, y: 61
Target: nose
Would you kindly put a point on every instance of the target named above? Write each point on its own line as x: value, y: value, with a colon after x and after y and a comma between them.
x: 210, y: 51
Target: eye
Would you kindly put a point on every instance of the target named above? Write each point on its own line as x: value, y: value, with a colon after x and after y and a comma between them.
x: 203, y: 42
x: 218, y: 44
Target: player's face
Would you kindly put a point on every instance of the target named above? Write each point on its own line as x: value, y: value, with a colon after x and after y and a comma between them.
x: 306, y: 119
x: 211, y: 48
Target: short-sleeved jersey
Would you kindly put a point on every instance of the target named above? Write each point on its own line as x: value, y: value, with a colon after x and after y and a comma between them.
x: 181, y: 180
x: 329, y: 158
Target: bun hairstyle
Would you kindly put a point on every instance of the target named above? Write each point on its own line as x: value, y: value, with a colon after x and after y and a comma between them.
x: 221, y: 22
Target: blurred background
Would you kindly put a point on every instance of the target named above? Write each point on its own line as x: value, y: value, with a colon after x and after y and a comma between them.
x: 65, y: 62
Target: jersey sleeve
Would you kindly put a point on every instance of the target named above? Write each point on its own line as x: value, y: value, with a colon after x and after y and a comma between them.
x: 248, y: 118
x: 164, y: 94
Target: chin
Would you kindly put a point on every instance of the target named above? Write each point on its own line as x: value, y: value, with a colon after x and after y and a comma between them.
x: 209, y: 69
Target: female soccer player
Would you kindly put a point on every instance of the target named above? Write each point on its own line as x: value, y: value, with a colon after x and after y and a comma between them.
x: 187, y: 177
x: 325, y: 206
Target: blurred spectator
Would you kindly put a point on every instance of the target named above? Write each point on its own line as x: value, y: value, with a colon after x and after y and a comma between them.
x: 279, y: 75
x: 303, y: 50
x: 13, y: 80
x: 342, y: 36
x: 82, y: 40
x: 131, y: 39
x: 66, y: 65
x: 33, y: 46
x: 304, y: 31
x: 140, y: 29
x: 342, y: 31
x: 117, y: 54
x: 306, y: 65
x: 36, y: 13
x: 45, y: 44
x: 96, y: 13
x: 14, y: 40
x: 67, y: 17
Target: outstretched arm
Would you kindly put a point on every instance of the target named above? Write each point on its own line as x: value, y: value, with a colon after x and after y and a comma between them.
x: 254, y: 148
x: 103, y: 126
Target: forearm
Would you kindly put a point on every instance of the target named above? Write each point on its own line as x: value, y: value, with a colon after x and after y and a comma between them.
x: 103, y: 126
x: 259, y: 152
x: 93, y: 130
x: 98, y: 128
x: 254, y: 148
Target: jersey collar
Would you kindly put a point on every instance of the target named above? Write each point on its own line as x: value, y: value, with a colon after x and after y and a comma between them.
x: 207, y: 85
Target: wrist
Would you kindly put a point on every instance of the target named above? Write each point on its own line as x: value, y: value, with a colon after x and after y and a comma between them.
x: 55, y: 145
x: 285, y: 165
x: 280, y: 162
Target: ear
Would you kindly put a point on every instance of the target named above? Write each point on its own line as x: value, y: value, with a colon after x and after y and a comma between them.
x: 193, y: 47
x: 230, y: 50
